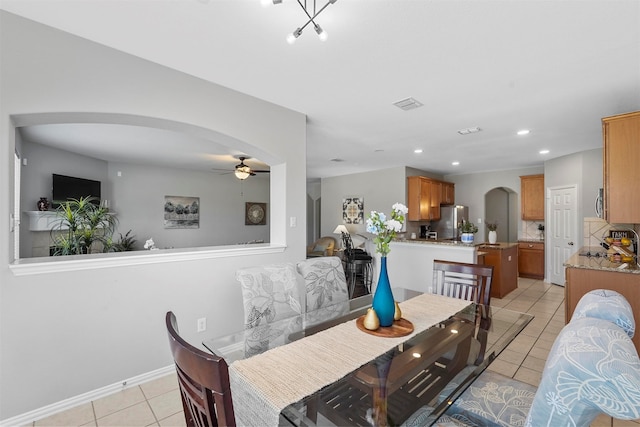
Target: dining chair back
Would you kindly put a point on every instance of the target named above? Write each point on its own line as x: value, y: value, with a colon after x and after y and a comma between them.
x: 204, y: 382
x: 325, y: 282
x: 471, y: 282
x: 269, y: 293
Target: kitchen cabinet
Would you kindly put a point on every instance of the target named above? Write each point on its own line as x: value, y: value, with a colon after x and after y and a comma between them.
x: 436, y: 199
x: 424, y: 197
x: 448, y: 193
x: 504, y: 259
x: 532, y: 197
x: 621, y: 158
x: 418, y: 198
x: 531, y: 260
x: 581, y: 280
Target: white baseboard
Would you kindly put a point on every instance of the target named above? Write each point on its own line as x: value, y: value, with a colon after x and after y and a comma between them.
x: 63, y: 405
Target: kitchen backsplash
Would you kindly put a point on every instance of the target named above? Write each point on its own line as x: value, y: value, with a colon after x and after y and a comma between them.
x: 530, y: 231
x: 595, y: 228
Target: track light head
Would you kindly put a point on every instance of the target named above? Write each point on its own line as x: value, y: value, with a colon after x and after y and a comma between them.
x: 322, y: 34
x: 291, y: 38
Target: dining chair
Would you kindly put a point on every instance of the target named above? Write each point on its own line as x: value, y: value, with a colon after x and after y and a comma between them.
x: 271, y: 296
x: 269, y: 293
x: 204, y: 382
x: 471, y: 282
x: 592, y: 368
x: 325, y: 282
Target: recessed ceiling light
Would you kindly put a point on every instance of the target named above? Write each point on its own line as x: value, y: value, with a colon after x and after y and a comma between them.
x: 456, y: 163
x: 544, y: 151
x: 469, y: 130
x: 523, y: 132
x: 418, y: 150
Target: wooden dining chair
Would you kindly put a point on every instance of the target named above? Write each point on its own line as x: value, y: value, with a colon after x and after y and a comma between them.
x: 204, y: 382
x: 471, y: 282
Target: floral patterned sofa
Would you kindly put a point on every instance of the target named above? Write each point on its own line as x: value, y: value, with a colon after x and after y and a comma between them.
x: 592, y: 368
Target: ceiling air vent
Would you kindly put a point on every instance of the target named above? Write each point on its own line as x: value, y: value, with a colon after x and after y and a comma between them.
x: 469, y: 130
x: 408, y: 104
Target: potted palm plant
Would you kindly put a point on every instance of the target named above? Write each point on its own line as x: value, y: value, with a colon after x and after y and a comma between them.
x: 83, y: 227
x: 467, y: 230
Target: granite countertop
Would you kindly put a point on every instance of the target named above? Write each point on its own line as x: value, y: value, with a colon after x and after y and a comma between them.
x: 499, y: 245
x: 599, y: 263
x: 434, y: 242
x: 531, y: 240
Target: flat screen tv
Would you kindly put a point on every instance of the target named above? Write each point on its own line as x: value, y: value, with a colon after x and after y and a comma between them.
x: 69, y: 187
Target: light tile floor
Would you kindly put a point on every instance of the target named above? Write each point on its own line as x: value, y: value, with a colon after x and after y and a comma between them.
x: 157, y: 403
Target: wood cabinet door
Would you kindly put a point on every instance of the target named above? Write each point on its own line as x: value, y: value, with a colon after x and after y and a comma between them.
x: 448, y: 193
x: 418, y: 198
x: 436, y: 198
x: 621, y: 173
x: 531, y: 260
x: 532, y: 197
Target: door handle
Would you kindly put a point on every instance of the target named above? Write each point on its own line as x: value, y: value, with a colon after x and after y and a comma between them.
x: 570, y: 243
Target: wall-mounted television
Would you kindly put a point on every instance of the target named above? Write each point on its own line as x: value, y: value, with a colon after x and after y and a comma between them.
x: 69, y: 187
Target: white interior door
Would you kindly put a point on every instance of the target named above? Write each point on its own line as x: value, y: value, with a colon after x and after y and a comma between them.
x: 562, y: 225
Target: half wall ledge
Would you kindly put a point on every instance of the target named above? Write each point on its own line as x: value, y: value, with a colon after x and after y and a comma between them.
x: 44, y: 265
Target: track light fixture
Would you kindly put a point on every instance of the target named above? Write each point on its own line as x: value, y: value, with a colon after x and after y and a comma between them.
x: 311, y: 12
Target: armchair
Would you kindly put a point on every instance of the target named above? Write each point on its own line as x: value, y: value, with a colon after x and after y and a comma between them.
x: 324, y: 246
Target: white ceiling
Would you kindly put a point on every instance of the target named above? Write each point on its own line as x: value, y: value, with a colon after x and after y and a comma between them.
x: 554, y: 67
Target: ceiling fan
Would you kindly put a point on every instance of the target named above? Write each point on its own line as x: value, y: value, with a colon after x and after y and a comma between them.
x: 243, y: 171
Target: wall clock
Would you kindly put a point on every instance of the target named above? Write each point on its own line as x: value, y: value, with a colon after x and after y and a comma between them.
x: 255, y: 213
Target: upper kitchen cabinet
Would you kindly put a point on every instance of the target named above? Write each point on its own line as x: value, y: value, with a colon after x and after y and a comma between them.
x: 424, y: 197
x: 532, y: 197
x: 448, y: 193
x: 419, y: 199
x: 621, y: 173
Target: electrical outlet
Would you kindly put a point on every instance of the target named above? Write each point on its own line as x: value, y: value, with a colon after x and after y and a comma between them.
x: 202, y: 324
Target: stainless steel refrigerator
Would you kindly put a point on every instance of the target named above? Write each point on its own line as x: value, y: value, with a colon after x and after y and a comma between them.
x: 450, y: 218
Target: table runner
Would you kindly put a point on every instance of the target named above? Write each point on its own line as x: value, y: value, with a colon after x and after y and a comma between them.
x: 263, y: 385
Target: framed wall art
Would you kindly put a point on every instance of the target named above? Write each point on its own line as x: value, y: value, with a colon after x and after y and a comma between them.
x: 255, y: 213
x: 181, y: 212
x: 353, y: 210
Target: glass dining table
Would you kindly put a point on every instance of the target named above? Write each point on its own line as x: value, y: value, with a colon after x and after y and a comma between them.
x: 413, y: 383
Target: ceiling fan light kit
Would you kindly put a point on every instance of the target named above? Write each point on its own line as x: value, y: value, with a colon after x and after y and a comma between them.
x: 312, y: 13
x: 242, y: 171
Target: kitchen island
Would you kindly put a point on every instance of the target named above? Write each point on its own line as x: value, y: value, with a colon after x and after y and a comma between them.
x: 410, y: 262
x: 586, y: 273
x: 504, y: 259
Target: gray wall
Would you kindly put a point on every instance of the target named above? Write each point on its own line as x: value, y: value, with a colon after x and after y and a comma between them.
x: 379, y: 189
x: 71, y: 332
x: 471, y: 190
x: 138, y: 199
x: 35, y: 182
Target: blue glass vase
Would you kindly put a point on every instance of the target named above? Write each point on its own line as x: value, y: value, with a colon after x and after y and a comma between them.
x: 383, y: 302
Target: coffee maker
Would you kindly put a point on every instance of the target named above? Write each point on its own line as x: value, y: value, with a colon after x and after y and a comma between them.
x: 424, y: 229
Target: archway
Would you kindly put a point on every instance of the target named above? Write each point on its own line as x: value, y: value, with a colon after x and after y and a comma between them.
x: 501, y: 207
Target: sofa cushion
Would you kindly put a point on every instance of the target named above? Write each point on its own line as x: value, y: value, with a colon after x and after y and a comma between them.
x: 608, y: 305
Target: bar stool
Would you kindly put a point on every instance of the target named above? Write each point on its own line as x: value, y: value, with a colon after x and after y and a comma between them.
x: 358, y: 265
